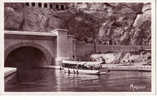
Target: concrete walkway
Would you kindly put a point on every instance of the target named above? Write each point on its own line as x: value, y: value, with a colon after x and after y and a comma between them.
x: 8, y: 71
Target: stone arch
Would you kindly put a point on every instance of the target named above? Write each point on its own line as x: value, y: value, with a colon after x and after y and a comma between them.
x: 49, y: 57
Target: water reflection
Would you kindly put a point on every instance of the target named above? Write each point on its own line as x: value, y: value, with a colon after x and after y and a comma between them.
x: 55, y: 80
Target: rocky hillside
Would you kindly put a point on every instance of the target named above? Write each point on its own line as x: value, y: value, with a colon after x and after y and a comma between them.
x: 108, y: 23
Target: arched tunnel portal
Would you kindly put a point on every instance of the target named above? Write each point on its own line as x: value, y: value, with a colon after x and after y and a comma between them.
x: 28, y: 57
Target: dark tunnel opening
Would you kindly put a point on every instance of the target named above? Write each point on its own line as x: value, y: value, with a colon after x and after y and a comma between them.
x: 26, y: 57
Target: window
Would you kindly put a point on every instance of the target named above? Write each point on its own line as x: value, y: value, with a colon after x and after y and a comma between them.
x: 33, y: 4
x: 45, y: 5
x: 27, y: 4
x: 62, y: 7
x: 57, y: 7
x: 51, y: 6
x: 39, y: 4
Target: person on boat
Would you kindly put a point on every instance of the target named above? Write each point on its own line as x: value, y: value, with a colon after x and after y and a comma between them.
x: 103, y: 60
x: 91, y: 67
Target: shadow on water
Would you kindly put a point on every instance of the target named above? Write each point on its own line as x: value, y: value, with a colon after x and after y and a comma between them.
x: 32, y: 79
x: 46, y: 80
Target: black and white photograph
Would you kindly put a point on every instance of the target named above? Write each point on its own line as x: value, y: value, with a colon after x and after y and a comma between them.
x: 78, y: 46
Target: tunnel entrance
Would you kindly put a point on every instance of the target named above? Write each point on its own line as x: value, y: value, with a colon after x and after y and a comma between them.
x: 26, y: 57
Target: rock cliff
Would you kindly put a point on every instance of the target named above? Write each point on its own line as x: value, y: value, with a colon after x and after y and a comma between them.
x: 113, y: 23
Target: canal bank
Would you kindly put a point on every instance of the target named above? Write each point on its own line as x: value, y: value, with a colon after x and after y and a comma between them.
x: 122, y: 67
x: 9, y: 71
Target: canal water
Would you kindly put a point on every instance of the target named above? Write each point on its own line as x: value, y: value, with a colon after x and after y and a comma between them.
x: 51, y: 80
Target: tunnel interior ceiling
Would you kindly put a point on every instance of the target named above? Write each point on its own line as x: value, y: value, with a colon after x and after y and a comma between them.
x: 26, y: 57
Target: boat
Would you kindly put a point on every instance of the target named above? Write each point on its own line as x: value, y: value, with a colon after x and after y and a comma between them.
x: 83, y: 67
